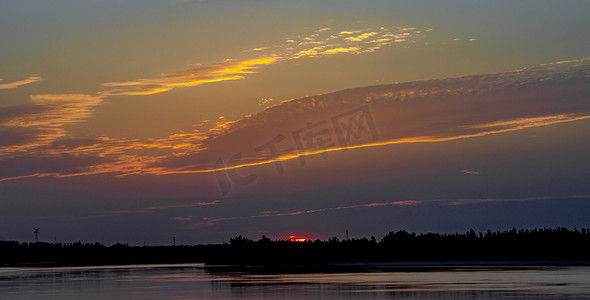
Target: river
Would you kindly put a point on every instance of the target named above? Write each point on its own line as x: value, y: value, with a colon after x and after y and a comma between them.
x: 193, y: 281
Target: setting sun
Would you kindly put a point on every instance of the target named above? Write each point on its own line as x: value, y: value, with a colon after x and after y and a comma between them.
x: 310, y: 149
x: 294, y: 238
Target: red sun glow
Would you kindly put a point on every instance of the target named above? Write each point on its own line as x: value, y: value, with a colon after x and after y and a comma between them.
x: 294, y: 238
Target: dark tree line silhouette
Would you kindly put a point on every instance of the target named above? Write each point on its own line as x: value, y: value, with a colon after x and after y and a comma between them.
x: 85, y: 254
x: 547, y: 244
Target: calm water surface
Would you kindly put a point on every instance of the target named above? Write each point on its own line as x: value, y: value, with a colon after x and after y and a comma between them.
x: 192, y: 281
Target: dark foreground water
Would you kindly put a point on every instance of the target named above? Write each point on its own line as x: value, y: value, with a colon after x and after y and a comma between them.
x: 192, y: 281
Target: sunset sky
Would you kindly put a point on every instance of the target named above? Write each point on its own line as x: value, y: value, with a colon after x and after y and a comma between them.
x: 135, y: 121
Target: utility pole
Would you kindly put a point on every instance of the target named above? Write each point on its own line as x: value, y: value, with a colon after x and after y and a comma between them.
x: 347, y: 234
x: 36, y: 234
x: 173, y: 241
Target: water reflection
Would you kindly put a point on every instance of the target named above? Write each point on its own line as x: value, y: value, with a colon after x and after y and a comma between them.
x: 195, y: 282
x: 452, y: 283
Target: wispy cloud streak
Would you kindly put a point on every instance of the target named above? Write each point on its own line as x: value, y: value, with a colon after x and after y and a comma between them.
x: 493, y: 200
x: 18, y: 83
x: 213, y: 221
x: 320, y: 43
x: 44, y: 118
x: 163, y: 207
x: 53, y: 110
x: 207, y: 221
x: 229, y: 70
x: 470, y: 172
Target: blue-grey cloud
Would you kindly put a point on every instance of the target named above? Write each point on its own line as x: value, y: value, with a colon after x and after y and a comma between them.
x: 425, y: 111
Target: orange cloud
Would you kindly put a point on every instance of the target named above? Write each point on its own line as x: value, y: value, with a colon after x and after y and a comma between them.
x: 341, y: 50
x: 581, y: 60
x: 522, y: 123
x: 57, y: 110
x: 229, y: 70
x: 36, y: 128
x: 45, y: 118
x: 18, y: 83
x: 237, y: 69
x: 429, y: 111
x: 362, y: 37
x: 347, y: 32
x: 107, y: 155
x: 435, y: 108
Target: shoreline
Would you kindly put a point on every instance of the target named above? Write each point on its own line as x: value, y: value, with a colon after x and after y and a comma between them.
x: 355, y: 265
